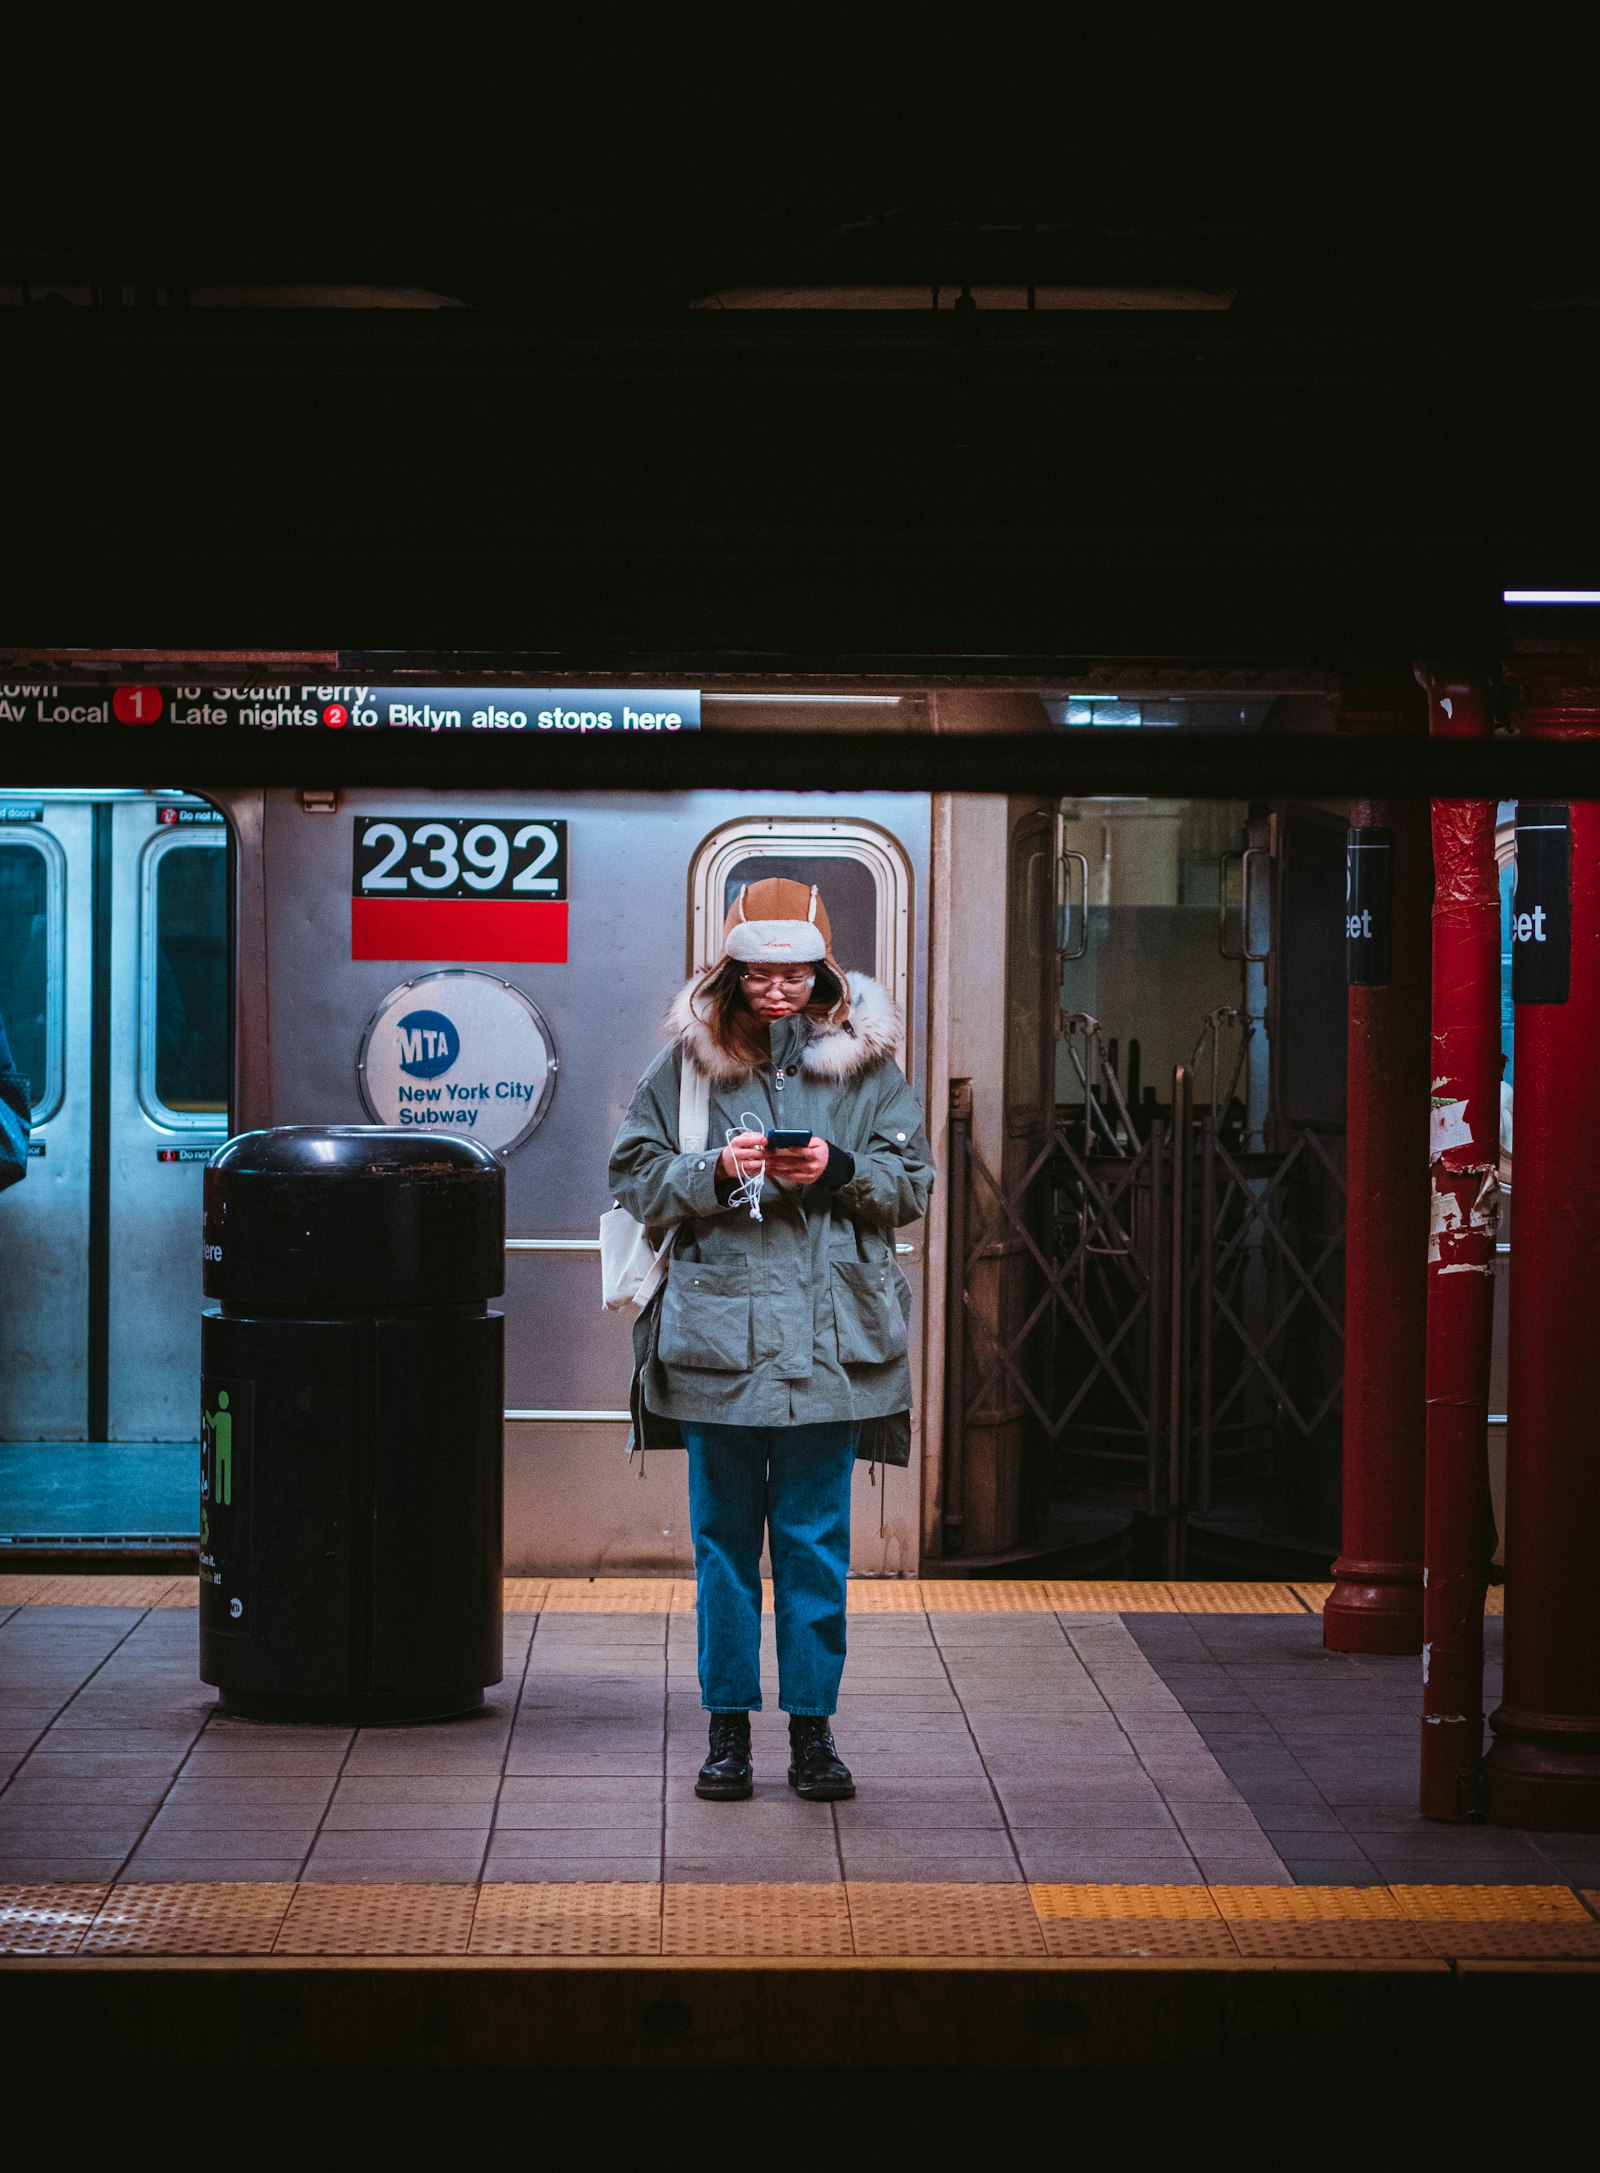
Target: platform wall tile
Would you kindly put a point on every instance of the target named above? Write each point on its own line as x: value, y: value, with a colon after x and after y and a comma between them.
x: 609, y: 1595
x: 1528, y: 1940
x: 140, y: 1917
x: 1138, y: 1938
x: 785, y: 1919
x: 888, y: 1595
x: 378, y: 1918
x: 1307, y: 1904
x: 47, y: 1919
x: 1348, y: 1939
x: 1551, y: 1905
x: 1174, y: 1904
x: 594, y: 1917
x: 58, y: 1591
x: 912, y: 1919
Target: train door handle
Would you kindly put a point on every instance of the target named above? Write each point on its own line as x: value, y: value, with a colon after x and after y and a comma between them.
x: 1247, y: 858
x: 1065, y: 952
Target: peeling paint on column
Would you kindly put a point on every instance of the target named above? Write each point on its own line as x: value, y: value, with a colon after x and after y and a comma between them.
x: 1463, y: 1218
x: 1462, y: 1242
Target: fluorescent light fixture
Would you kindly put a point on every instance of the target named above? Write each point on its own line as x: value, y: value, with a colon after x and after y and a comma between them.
x: 1550, y: 596
x: 860, y: 701
x: 1097, y: 697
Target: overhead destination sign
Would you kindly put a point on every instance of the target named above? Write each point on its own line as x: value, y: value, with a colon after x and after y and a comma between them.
x: 438, y: 712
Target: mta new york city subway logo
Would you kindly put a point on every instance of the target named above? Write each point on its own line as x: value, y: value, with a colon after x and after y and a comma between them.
x: 429, y: 1044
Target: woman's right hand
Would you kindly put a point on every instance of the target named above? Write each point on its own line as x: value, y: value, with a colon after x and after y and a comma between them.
x: 744, y: 1154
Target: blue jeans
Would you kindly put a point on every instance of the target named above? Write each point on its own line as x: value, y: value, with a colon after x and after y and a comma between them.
x: 795, y: 1481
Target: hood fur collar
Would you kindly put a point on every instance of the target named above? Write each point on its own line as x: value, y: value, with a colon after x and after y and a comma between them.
x: 834, y: 1053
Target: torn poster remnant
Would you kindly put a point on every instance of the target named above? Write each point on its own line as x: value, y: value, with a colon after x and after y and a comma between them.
x: 1447, y: 1126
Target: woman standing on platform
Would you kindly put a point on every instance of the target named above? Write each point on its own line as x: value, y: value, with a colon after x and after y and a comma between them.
x: 776, y: 1352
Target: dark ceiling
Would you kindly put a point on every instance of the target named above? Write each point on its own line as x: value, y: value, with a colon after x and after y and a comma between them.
x: 639, y: 167
x: 1392, y: 412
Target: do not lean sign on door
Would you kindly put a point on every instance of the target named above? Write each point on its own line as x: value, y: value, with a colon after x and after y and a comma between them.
x: 457, y: 1051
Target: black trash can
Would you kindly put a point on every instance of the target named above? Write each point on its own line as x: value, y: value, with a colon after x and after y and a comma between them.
x: 352, y: 1407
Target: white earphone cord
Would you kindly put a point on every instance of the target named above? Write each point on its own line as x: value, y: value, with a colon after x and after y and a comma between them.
x: 748, y: 1191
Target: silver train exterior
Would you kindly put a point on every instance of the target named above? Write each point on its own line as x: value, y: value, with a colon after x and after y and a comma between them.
x: 648, y: 881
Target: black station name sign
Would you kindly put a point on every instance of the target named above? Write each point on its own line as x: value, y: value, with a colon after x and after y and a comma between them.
x: 1541, y: 914
x: 1368, y: 907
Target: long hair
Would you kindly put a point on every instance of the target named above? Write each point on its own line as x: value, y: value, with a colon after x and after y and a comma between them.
x: 718, y: 1002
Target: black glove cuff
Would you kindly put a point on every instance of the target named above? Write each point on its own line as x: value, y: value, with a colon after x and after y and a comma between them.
x: 841, y: 1168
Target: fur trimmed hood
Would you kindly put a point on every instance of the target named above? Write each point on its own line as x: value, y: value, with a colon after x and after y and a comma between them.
x: 868, y: 1037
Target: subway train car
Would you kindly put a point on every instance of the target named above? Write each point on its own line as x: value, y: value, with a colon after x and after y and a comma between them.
x: 498, y: 963
x: 1125, y: 1019
x: 501, y: 963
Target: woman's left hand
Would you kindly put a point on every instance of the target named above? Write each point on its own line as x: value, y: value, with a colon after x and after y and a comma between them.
x: 798, y: 1165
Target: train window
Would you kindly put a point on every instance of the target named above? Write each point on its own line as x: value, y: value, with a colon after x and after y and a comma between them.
x: 861, y: 871
x: 184, y: 1042
x: 32, y: 925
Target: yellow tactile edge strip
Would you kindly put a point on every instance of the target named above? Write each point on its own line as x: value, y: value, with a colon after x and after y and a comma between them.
x: 858, y: 1917
x: 868, y: 1595
x: 1314, y: 1597
x: 675, y: 1595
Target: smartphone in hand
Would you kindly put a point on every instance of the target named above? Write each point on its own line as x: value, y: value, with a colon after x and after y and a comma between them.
x: 781, y: 1139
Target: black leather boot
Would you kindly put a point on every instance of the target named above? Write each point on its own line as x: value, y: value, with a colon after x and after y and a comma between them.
x: 816, y: 1771
x: 727, y: 1775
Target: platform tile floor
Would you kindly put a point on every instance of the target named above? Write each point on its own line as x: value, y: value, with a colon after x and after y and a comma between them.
x: 1043, y: 1769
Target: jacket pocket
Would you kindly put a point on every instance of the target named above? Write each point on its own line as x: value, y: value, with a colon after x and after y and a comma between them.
x: 705, y: 1316
x: 866, y: 1312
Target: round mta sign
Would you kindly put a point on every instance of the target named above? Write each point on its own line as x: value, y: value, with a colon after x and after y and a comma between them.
x: 457, y: 1051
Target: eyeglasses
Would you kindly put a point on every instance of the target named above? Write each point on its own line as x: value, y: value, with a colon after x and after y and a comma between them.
x: 789, y: 982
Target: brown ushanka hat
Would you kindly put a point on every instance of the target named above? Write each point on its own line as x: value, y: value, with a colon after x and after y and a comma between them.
x: 779, y: 922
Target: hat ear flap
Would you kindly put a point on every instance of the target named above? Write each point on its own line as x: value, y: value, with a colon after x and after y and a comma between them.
x: 811, y: 916
x: 739, y: 901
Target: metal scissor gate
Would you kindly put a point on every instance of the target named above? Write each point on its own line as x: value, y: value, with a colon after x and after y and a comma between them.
x: 1157, y: 1304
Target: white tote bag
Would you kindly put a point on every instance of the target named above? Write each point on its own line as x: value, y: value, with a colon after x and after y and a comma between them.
x: 631, y: 1270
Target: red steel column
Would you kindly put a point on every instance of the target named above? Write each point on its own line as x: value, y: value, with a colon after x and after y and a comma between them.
x: 1543, y: 1770
x: 1376, y: 1601
x: 1464, y: 1206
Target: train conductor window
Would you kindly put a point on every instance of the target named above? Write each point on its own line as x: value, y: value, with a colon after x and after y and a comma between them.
x: 861, y: 871
x: 32, y: 935
x: 184, y: 1038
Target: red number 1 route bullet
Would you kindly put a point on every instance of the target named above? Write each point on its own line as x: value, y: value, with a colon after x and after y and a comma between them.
x: 137, y: 705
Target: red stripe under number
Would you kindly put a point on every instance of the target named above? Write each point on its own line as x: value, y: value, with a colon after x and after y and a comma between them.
x: 507, y: 931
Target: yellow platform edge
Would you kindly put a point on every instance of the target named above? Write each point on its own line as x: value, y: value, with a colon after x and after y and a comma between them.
x: 840, y: 1921
x: 867, y: 1595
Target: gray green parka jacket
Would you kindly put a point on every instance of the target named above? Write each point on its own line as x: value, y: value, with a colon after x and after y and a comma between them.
x: 803, y: 1316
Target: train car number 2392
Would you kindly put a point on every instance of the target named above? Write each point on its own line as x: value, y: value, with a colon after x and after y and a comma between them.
x: 459, y: 856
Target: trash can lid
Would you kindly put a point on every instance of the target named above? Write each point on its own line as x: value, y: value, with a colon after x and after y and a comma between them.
x: 351, y: 1150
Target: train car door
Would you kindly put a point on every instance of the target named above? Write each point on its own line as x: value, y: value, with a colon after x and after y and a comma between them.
x: 46, y: 958
x: 114, y: 984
